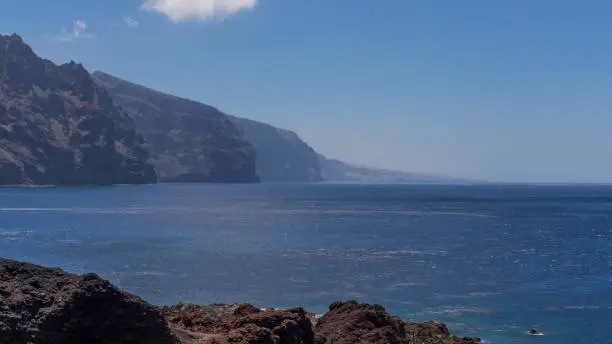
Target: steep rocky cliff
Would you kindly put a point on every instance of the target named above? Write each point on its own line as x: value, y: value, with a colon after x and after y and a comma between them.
x: 188, y: 141
x: 58, y: 127
x: 281, y: 154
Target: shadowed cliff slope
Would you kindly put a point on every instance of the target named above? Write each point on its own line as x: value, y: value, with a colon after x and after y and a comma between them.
x: 188, y: 141
x: 281, y: 155
x: 57, y: 127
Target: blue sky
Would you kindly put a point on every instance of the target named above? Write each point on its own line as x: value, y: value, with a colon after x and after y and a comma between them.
x: 515, y: 90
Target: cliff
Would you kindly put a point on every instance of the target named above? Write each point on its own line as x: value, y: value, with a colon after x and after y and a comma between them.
x: 188, y: 141
x: 57, y: 127
x: 48, y: 306
x: 281, y: 155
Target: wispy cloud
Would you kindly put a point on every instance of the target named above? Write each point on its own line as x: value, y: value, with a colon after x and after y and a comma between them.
x: 79, y: 31
x: 129, y: 21
x: 182, y: 10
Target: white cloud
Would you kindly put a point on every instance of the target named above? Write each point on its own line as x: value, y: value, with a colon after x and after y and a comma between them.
x: 129, y: 21
x: 78, y: 31
x: 181, y: 10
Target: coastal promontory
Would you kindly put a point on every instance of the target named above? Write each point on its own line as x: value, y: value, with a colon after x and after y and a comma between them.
x: 57, y: 127
x: 282, y: 156
x: 188, y: 141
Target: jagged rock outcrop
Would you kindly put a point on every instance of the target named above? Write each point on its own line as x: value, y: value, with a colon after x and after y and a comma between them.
x: 41, y: 305
x: 282, y: 156
x: 354, y: 323
x: 48, y: 306
x: 57, y: 127
x: 243, y: 324
x: 188, y: 141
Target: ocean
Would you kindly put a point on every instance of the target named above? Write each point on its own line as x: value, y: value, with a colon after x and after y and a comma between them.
x: 489, y: 260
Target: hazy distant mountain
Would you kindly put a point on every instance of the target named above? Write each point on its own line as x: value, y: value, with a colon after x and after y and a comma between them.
x: 57, y: 127
x: 281, y: 154
x: 188, y: 141
x: 336, y: 170
x: 187, y: 138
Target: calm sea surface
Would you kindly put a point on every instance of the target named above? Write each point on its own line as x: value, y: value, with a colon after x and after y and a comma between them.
x: 492, y: 261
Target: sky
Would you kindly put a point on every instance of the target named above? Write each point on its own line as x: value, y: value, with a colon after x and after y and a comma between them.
x: 508, y: 90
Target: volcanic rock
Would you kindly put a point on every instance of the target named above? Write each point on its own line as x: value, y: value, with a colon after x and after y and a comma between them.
x: 57, y: 127
x: 354, y: 323
x: 48, y: 306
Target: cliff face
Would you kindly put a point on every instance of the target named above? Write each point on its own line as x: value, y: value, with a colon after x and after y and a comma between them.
x: 57, y: 127
x: 281, y: 154
x: 188, y: 141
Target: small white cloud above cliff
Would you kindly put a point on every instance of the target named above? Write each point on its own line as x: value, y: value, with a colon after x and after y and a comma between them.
x: 183, y: 10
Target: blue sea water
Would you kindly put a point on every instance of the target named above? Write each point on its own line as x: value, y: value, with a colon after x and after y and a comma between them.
x: 490, y: 260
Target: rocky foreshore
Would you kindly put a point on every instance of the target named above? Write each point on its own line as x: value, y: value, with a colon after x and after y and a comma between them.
x: 41, y: 305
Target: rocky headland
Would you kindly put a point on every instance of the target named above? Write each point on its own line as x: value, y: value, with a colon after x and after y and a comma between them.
x: 61, y: 125
x: 188, y: 141
x: 282, y: 156
x: 57, y: 127
x: 40, y: 305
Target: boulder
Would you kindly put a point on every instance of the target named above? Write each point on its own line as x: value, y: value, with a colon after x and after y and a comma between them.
x: 48, y: 306
x: 354, y: 323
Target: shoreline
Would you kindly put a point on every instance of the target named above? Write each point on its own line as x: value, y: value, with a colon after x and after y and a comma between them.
x: 43, y: 305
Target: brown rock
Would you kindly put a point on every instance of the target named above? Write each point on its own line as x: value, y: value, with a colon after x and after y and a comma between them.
x: 250, y: 334
x: 291, y: 326
x: 243, y: 323
x: 48, y: 306
x: 354, y: 323
x: 246, y: 309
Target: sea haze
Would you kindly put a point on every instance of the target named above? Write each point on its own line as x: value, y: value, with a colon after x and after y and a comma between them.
x: 490, y: 260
